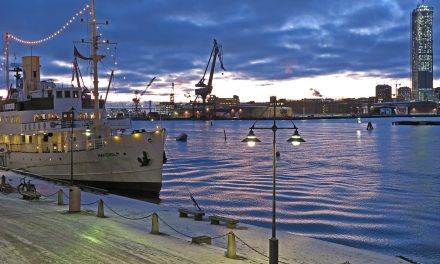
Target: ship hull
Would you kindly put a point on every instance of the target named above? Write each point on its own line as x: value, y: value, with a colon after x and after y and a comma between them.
x: 124, y: 163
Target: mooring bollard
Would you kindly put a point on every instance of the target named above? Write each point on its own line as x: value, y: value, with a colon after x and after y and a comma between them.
x: 100, y: 208
x: 232, y: 247
x: 60, y: 197
x: 74, y: 199
x: 154, y: 224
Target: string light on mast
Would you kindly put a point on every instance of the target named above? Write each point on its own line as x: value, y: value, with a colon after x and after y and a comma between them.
x: 56, y: 33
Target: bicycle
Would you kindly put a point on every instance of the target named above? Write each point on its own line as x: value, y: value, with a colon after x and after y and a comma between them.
x: 24, y: 186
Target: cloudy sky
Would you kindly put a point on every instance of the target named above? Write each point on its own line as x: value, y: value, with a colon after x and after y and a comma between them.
x: 342, y: 48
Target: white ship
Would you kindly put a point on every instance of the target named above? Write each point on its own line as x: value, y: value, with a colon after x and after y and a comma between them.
x: 63, y: 133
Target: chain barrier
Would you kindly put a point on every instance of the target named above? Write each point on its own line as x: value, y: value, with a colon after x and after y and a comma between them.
x: 249, y: 246
x: 47, y: 196
x: 175, y: 230
x: 163, y: 221
x: 91, y: 203
x: 126, y: 217
x: 255, y: 250
x: 217, y: 237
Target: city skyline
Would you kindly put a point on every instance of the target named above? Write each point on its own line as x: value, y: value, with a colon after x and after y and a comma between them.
x: 285, y: 50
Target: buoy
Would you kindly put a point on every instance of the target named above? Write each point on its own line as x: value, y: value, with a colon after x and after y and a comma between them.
x: 182, y: 137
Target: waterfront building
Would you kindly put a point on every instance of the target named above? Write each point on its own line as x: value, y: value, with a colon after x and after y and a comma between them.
x: 166, y: 108
x: 421, y: 53
x: 383, y: 93
x: 224, y: 103
x: 404, y: 93
x: 330, y: 107
x: 437, y: 94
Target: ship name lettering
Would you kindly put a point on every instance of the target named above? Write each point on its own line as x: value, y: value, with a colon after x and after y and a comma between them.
x: 106, y: 155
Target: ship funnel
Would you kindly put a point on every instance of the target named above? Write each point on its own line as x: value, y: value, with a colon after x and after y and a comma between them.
x: 31, y: 74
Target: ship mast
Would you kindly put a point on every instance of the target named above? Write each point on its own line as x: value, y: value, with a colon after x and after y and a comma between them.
x: 95, y: 59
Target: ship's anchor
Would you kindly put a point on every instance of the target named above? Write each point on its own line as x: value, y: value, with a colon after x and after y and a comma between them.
x: 144, y: 161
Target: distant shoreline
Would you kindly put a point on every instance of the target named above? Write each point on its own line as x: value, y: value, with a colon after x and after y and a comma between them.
x: 310, y: 117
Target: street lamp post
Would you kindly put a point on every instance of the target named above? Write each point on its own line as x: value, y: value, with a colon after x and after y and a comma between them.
x: 295, y: 139
x: 71, y: 145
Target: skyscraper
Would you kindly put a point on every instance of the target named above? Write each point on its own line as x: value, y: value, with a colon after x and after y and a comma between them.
x: 421, y: 53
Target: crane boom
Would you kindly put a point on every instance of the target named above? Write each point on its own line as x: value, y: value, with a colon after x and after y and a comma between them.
x: 206, y: 89
x: 148, y: 85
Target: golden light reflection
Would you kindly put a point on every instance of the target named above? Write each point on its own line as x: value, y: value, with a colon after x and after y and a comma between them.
x: 91, y: 239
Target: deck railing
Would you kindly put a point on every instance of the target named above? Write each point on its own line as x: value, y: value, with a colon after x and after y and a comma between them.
x: 83, y: 145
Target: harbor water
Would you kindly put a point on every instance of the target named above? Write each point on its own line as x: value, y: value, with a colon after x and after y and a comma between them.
x: 377, y: 190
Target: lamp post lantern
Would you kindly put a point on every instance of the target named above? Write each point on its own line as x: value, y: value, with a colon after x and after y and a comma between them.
x: 252, y: 139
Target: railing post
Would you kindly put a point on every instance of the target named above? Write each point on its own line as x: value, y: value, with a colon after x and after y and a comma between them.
x: 155, y: 224
x: 60, y: 197
x: 74, y: 199
x: 232, y: 247
x: 100, y: 208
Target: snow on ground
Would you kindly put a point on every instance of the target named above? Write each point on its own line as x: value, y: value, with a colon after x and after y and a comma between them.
x: 42, y: 232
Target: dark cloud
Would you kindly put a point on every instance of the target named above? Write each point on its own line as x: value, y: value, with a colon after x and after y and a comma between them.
x: 262, y: 40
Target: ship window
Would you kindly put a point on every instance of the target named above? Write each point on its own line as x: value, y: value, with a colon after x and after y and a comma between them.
x: 67, y: 94
x: 75, y: 94
x: 59, y: 94
x: 36, y: 117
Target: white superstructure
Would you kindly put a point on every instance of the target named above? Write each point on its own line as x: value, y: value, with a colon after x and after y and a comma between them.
x: 43, y: 125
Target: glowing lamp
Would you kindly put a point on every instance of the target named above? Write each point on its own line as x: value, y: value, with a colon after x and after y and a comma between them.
x: 251, y: 139
x: 296, y: 139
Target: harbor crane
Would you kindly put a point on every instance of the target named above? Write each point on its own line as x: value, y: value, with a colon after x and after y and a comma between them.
x: 204, y: 89
x: 138, y: 95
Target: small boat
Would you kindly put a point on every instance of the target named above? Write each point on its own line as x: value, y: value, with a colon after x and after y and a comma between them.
x: 182, y: 137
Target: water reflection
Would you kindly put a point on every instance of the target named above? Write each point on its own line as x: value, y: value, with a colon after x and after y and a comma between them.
x: 375, y: 190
